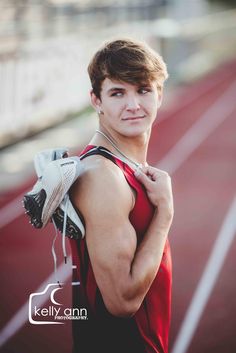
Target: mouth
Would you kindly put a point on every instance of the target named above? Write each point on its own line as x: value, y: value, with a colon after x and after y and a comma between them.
x: 133, y: 118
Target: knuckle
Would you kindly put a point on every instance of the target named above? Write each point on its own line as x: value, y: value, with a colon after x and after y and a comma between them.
x: 165, y: 174
x: 162, y: 172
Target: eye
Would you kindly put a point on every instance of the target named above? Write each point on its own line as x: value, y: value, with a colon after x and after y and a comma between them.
x: 117, y: 94
x: 144, y: 90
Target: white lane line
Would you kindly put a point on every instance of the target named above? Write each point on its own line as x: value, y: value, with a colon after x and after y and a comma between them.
x: 168, y: 163
x: 199, y: 131
x: 207, y: 282
x: 21, y: 317
x: 11, y: 211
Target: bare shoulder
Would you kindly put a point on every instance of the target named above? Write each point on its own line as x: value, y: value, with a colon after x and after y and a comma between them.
x: 101, y: 184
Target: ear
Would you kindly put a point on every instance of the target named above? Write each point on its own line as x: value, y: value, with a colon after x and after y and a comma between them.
x: 95, y: 101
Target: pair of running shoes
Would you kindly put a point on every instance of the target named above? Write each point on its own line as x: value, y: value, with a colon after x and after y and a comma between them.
x: 49, y: 198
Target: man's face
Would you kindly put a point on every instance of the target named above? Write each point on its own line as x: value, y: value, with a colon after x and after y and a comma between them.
x: 128, y: 109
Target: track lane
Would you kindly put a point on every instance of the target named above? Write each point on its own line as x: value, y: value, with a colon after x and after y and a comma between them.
x: 203, y: 190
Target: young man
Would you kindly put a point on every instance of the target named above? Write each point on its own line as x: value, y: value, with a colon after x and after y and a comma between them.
x: 123, y: 263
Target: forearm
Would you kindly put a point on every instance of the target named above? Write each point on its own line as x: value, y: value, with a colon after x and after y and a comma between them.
x: 148, y: 255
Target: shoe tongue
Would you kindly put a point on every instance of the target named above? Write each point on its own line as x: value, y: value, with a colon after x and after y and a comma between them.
x: 42, y: 158
x: 61, y: 153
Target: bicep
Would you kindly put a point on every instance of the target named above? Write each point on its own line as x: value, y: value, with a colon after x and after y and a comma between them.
x: 111, y: 243
x: 105, y: 203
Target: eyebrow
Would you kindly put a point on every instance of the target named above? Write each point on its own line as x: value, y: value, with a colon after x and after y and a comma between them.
x: 115, y: 89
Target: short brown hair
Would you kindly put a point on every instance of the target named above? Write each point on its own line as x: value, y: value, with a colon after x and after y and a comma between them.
x: 126, y: 60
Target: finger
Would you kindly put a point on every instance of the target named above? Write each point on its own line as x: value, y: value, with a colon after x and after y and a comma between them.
x: 151, y: 170
x: 151, y: 173
x: 142, y: 177
x: 154, y: 173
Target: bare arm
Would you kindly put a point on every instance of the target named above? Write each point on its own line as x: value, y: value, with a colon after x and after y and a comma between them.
x: 123, y: 271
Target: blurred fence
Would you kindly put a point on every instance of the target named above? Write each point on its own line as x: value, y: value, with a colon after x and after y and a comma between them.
x: 43, y: 81
x: 40, y: 85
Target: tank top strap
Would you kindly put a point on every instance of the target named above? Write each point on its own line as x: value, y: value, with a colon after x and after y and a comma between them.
x: 98, y: 150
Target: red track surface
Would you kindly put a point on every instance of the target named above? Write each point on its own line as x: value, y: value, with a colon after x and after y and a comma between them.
x: 204, y: 186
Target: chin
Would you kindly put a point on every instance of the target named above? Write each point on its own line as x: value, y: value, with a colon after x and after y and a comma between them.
x: 135, y: 131
x: 136, y: 128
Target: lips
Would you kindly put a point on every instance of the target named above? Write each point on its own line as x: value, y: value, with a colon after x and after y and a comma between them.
x: 132, y: 118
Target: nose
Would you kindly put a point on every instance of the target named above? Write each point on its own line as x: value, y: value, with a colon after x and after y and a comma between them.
x: 132, y: 103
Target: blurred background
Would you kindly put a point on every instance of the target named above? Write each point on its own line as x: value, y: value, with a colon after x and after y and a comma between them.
x: 45, y: 47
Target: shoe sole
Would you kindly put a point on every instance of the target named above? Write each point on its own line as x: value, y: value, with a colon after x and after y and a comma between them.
x: 33, y: 205
x: 72, y: 231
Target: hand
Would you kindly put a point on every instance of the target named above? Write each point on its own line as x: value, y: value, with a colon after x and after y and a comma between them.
x: 158, y: 186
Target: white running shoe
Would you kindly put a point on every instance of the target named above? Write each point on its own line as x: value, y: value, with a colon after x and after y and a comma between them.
x: 55, y: 177
x: 73, y: 226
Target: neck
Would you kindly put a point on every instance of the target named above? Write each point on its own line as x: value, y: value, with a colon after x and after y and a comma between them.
x: 134, y: 148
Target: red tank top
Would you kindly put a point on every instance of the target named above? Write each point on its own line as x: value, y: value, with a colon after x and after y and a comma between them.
x: 147, y: 331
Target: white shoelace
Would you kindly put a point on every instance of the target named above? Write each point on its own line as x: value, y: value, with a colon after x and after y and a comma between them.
x: 64, y: 228
x: 54, y: 255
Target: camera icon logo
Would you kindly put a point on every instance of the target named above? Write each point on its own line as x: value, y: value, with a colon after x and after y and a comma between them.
x: 44, y: 309
x: 41, y: 314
